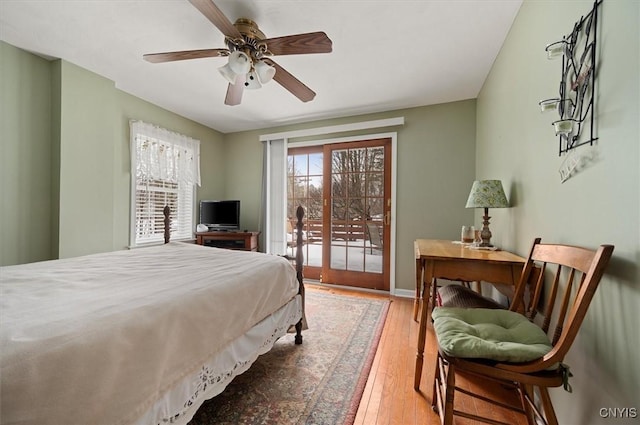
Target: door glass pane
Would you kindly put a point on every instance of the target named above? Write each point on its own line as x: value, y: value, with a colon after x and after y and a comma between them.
x: 338, y: 186
x: 356, y: 236
x: 373, y: 249
x: 314, y: 221
x: 300, y: 186
x: 301, y: 165
x: 339, y: 209
x: 375, y: 184
x: 315, y: 164
x: 375, y: 210
x: 376, y: 159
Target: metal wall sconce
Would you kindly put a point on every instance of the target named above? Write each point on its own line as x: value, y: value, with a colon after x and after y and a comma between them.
x: 576, y: 102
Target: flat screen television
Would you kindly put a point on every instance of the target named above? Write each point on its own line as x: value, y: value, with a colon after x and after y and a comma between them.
x: 220, y: 215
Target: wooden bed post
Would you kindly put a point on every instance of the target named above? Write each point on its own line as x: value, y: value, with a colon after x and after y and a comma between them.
x: 299, y: 264
x: 167, y: 223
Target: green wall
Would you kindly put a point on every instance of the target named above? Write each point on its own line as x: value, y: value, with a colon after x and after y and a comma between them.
x: 87, y: 135
x: 25, y: 152
x: 435, y: 170
x: 600, y: 204
x: 65, y: 184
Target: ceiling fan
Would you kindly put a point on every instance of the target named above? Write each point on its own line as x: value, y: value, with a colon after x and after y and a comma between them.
x: 249, y: 52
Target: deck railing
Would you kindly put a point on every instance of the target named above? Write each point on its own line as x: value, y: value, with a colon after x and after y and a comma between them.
x: 341, y: 230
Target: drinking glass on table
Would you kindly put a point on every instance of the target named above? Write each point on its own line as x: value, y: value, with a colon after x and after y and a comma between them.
x: 467, y: 234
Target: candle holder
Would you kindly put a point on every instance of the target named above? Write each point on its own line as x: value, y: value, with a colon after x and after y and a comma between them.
x: 557, y: 49
x: 564, y: 127
x: 549, y: 104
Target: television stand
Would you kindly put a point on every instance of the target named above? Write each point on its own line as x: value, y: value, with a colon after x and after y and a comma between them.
x: 229, y: 239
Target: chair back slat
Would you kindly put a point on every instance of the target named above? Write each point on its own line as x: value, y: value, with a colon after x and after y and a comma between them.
x: 548, y: 311
x: 538, y: 287
x: 564, y: 307
x: 518, y: 304
x: 567, y: 301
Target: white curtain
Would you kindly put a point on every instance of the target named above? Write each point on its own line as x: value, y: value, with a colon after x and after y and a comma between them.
x: 165, y: 155
x: 275, y: 199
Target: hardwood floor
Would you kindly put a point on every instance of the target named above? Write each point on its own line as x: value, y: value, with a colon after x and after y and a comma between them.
x: 389, y: 397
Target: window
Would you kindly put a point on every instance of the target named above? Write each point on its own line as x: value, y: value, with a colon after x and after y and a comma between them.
x: 165, y: 167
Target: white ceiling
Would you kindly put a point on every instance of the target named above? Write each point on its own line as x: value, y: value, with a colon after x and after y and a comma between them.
x: 386, y: 54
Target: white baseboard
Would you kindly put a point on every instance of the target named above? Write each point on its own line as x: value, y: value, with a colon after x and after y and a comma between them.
x: 402, y: 293
x: 405, y: 293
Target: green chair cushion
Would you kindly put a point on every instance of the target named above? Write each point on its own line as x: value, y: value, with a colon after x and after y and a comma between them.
x: 500, y: 335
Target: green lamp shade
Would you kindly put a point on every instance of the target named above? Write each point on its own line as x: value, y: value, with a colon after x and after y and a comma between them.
x: 487, y: 194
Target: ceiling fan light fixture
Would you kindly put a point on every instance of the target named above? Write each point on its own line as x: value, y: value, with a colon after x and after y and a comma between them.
x: 252, y: 82
x: 239, y: 62
x: 265, y: 71
x: 228, y: 73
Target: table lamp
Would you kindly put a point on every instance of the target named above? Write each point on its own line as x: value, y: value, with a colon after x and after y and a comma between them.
x: 487, y: 194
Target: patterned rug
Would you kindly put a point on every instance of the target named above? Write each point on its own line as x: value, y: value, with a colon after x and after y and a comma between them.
x: 318, y: 382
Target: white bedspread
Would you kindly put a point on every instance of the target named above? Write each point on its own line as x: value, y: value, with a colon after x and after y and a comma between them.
x: 97, y: 339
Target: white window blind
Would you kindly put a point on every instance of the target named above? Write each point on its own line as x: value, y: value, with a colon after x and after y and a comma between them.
x: 165, y: 167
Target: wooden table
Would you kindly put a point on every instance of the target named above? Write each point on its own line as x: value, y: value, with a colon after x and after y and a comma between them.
x: 438, y: 259
x: 246, y: 241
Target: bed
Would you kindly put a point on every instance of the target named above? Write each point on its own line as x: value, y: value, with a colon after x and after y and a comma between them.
x: 141, y: 336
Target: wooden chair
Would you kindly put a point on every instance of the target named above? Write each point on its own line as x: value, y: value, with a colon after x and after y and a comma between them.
x: 374, y: 236
x: 575, y: 279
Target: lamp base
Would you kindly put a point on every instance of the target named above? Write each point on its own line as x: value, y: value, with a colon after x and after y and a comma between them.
x: 485, y: 234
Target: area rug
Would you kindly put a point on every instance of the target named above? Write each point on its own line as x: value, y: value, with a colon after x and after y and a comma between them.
x: 318, y: 382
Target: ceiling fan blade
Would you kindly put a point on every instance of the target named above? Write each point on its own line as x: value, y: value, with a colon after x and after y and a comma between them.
x: 185, y: 54
x: 291, y: 83
x: 313, y: 42
x: 217, y: 18
x: 234, y: 92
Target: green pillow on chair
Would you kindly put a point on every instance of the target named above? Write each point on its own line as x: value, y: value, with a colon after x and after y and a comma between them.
x: 500, y: 335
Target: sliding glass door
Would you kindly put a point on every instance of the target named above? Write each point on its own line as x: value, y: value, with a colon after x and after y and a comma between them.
x: 346, y: 191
